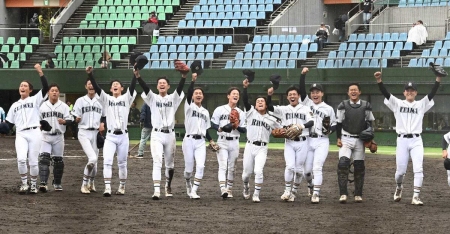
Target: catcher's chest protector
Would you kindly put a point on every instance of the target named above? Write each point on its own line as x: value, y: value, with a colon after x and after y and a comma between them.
x: 355, y: 117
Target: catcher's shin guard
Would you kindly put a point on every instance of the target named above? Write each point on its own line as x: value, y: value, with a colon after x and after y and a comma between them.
x: 343, y: 170
x: 360, y: 171
x: 169, y: 179
x: 58, y: 169
x: 44, y: 163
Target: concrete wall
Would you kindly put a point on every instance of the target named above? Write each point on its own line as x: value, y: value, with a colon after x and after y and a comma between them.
x: 65, y: 15
x: 9, y: 18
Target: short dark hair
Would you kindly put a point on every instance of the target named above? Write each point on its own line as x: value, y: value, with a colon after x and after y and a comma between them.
x: 120, y: 82
x: 291, y: 89
x: 354, y: 83
x: 53, y: 85
x: 87, y: 79
x: 265, y: 99
x: 420, y: 21
x: 231, y: 90
x: 29, y: 84
x: 198, y: 88
x: 163, y: 78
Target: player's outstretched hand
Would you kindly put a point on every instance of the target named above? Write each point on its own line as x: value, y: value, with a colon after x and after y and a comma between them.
x: 61, y: 121
x: 339, y: 143
x: 377, y: 75
x: 245, y: 83
x: 194, y: 77
x: 136, y: 73
x: 270, y: 91
x: 305, y: 70
x: 78, y: 119
x: 38, y: 68
x: 213, y: 146
x: 89, y: 69
x: 444, y: 154
x: 102, y: 127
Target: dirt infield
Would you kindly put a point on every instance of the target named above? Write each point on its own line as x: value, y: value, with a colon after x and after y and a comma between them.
x: 70, y: 211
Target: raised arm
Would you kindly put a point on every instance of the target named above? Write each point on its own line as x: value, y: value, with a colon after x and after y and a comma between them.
x: 269, y: 99
x: 191, y: 88
x: 381, y: 86
x: 302, y: 88
x: 142, y: 83
x: 89, y: 71
x: 44, y: 81
x: 133, y: 84
x: 245, y: 95
x: 181, y: 84
x: 435, y: 88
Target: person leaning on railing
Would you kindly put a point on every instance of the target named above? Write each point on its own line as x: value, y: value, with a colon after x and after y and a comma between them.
x: 104, y: 60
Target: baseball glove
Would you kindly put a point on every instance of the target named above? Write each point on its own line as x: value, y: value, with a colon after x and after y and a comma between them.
x: 45, y: 125
x: 227, y: 128
x: 372, y: 145
x: 181, y: 67
x: 326, y: 125
x: 4, y: 128
x: 279, y: 133
x: 294, y: 131
x: 213, y: 146
x: 366, y: 135
x: 438, y: 70
x: 100, y: 140
x: 234, y: 118
x: 447, y: 164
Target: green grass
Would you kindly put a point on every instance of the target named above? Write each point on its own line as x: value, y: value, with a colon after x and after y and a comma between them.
x: 386, y: 150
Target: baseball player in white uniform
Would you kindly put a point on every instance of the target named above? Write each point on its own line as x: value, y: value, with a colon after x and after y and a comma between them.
x: 445, y: 143
x: 259, y: 126
x: 56, y: 113
x: 319, y: 143
x: 408, y: 115
x: 88, y: 112
x: 228, y: 141
x: 196, y: 122
x: 163, y: 141
x: 295, y: 151
x: 116, y: 109
x: 25, y: 115
x: 353, y: 116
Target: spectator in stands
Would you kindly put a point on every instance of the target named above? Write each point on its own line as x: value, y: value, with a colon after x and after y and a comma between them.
x: 339, y: 23
x: 322, y: 36
x: 104, y: 60
x: 49, y: 63
x: 34, y: 23
x: 153, y: 18
x: 134, y: 116
x: 417, y: 34
x: 367, y: 13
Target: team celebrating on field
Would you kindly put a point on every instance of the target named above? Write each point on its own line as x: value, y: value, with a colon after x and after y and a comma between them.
x: 305, y: 124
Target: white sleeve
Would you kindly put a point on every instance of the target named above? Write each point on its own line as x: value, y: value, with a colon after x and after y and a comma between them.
x: 10, y: 115
x: 426, y: 103
x: 187, y: 107
x: 148, y: 98
x: 309, y: 114
x: 242, y: 117
x: 130, y: 98
x: 278, y: 110
x: 215, y: 119
x: 392, y: 103
x: 248, y: 113
x: 340, y: 115
x: 77, y: 108
x: 103, y: 98
x: 177, y: 98
x: 332, y: 117
x: 208, y: 121
x: 447, y: 137
x: 67, y: 115
x: 39, y: 99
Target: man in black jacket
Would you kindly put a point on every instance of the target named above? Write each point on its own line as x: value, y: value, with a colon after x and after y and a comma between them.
x: 146, y: 125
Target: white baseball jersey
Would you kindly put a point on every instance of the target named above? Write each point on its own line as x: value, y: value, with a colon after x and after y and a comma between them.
x: 299, y: 114
x: 259, y: 127
x: 52, y: 112
x: 447, y: 137
x: 320, y: 111
x: 117, y: 109
x: 197, y: 120
x: 89, y: 110
x: 25, y: 112
x: 408, y: 115
x: 163, y: 108
x: 221, y: 117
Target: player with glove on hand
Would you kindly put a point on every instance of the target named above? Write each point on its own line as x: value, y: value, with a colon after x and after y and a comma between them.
x: 298, y: 118
x: 196, y: 123
x: 319, y: 143
x: 408, y: 115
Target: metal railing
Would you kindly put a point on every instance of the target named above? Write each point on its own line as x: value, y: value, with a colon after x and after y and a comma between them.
x: 206, y: 28
x: 291, y: 29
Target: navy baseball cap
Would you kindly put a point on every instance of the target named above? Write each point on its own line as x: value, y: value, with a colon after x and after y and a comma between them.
x: 316, y: 86
x: 410, y: 85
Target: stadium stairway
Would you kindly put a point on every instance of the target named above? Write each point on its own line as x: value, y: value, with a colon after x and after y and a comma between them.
x: 273, y: 15
x: 322, y: 54
x: 415, y: 53
x: 228, y: 55
x: 170, y: 29
x: 80, y: 14
x: 39, y: 55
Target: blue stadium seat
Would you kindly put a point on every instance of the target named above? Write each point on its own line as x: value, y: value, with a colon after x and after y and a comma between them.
x: 443, y: 53
x: 181, y: 24
x: 202, y: 40
x: 264, y: 64
x: 359, y: 54
x: 293, y: 55
x: 275, y: 55
x: 389, y: 45
x: 412, y: 63
x: 266, y: 55
x: 284, y: 47
x: 321, y: 63
x: 172, y: 49
x: 161, y: 40
x: 304, y: 47
x: 247, y: 64
x: 194, y: 40
x: 369, y: 37
x: 282, y: 64
x: 361, y: 38
x: 273, y: 39
x: 239, y: 55
x: 398, y: 45
x: 332, y: 54
x: 219, y: 40
x: 377, y: 37
x: 265, y: 39
x: 395, y: 54
x: 434, y: 53
x: 341, y: 54
x: 447, y: 62
x: 209, y: 56
x: 257, y: 47
x: 338, y: 63
x: 329, y: 64
x: 181, y: 49
x: 267, y: 47
x: 386, y: 54
x: 342, y: 47
x: 162, y: 49
x: 237, y: 64
x: 257, y: 39
x: 439, y: 61
x: 361, y: 46
x: 394, y: 37
x: 155, y: 64
x: 428, y: 61
x: 294, y: 47
x: 352, y: 37
x: 380, y: 46
x: 386, y: 36
x: 374, y: 63
x: 228, y: 40
x: 247, y: 55
x: 257, y: 55
x: 437, y: 45
x: 186, y: 40
x: 408, y: 46
x: 218, y: 49
x: 302, y: 55
x: 298, y: 38
x: 190, y: 49
x: 209, y: 48
x: 403, y: 37
x: 364, y: 63
x: 291, y: 64
x: 314, y: 47
x: 355, y: 63
x: 377, y: 54
x: 276, y: 47
x: 370, y: 46
x: 347, y: 63
x: 284, y: 55
x: 282, y: 39
x: 350, y: 54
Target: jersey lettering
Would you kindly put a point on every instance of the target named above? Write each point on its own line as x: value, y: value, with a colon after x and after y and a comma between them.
x: 224, y: 117
x: 409, y: 110
x: 165, y: 104
x: 295, y: 116
x: 260, y: 123
x: 199, y: 115
x: 26, y: 105
x: 317, y: 112
x: 52, y: 114
x: 120, y: 103
x: 91, y: 108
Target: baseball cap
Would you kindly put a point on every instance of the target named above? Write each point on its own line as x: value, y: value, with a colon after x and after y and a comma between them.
x: 196, y: 67
x: 249, y: 74
x: 141, y: 61
x: 410, y: 85
x: 275, y: 80
x: 316, y: 86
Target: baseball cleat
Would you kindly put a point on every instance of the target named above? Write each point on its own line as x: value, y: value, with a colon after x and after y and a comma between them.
x: 256, y: 198
x: 224, y: 193
x: 139, y: 156
x: 246, y: 194
x: 43, y: 188
x: 358, y: 199
x: 315, y: 199
x: 194, y: 195
x: 343, y: 199
x: 85, y: 189
x: 285, y: 195
x: 168, y: 191
x: 107, y: 192
x: 57, y: 187
x: 398, y: 194
x: 156, y: 195
x: 416, y: 201
x: 23, y: 189
x: 188, y: 188
x: 230, y: 193
x: 91, y: 187
x: 33, y: 189
x: 310, y: 190
x: 292, y: 197
x: 121, y: 190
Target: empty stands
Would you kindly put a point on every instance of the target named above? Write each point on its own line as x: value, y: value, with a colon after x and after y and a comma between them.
x: 17, y: 49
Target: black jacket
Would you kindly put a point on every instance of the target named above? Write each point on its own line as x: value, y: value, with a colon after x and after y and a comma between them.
x: 146, y: 116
